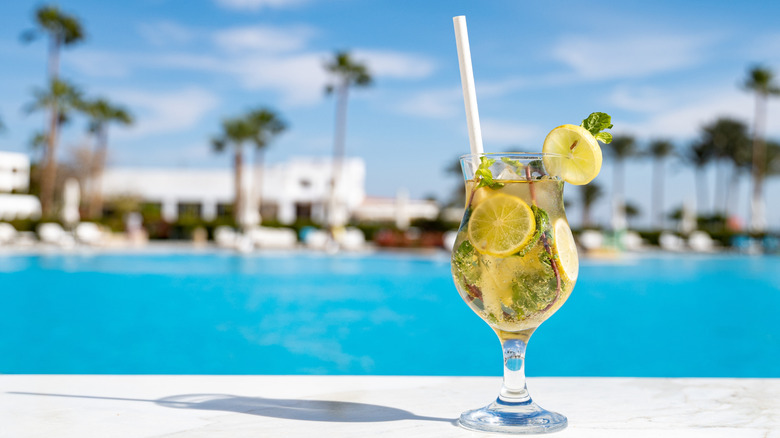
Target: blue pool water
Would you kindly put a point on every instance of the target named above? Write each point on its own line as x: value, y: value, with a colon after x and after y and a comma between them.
x: 220, y: 313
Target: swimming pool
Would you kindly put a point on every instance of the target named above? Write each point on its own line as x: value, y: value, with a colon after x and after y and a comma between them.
x: 301, y: 313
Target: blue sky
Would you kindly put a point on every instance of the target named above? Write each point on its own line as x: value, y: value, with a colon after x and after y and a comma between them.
x: 662, y: 69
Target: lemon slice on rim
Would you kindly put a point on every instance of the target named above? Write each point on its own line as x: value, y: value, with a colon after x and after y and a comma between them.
x: 578, y: 155
x: 501, y: 225
x: 566, y: 250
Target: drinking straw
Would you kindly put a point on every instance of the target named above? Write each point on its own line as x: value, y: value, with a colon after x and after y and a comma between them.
x: 467, y: 81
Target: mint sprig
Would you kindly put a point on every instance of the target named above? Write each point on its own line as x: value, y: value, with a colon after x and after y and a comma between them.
x: 484, y: 176
x: 595, y: 123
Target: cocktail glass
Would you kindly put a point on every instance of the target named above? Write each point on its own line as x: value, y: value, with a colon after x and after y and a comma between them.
x: 514, y: 272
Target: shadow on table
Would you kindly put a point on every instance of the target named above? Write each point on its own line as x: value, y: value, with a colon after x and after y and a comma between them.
x: 291, y: 409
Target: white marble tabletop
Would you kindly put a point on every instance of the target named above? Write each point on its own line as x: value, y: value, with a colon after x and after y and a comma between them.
x: 370, y: 406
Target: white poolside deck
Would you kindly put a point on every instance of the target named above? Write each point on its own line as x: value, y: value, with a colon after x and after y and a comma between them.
x: 369, y: 406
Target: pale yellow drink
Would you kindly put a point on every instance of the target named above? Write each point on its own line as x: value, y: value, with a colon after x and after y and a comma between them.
x: 516, y: 292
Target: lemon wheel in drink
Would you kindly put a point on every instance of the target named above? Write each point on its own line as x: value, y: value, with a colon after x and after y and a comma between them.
x: 501, y: 225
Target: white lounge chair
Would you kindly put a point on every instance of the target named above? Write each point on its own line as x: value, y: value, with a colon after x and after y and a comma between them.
x: 316, y: 239
x: 7, y: 233
x: 352, y: 239
x: 632, y: 241
x: 448, y: 240
x: 671, y: 242
x: 225, y: 237
x: 591, y: 240
x: 701, y: 241
x: 267, y: 237
x: 52, y: 233
x: 89, y: 233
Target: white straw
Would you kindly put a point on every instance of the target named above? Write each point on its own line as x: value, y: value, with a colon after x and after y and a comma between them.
x: 467, y: 81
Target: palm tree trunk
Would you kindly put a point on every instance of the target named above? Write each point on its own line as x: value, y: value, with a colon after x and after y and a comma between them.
x: 258, y: 180
x: 50, y: 166
x: 96, y: 201
x: 658, y: 188
x: 49, y: 173
x: 733, y: 201
x: 238, y: 165
x: 701, y: 190
x: 618, y: 202
x: 730, y: 186
x: 585, y: 215
x: 339, y: 140
x: 718, y: 187
x: 757, y: 217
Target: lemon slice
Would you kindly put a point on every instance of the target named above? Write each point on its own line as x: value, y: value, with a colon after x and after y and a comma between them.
x: 566, y: 250
x: 501, y: 225
x: 578, y: 158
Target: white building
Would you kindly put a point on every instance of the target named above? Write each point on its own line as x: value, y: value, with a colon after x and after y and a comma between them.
x: 15, y: 179
x: 399, y: 210
x: 299, y: 188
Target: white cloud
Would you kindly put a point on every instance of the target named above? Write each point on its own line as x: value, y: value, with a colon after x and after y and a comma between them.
x: 263, y: 38
x: 632, y: 55
x: 97, y: 63
x: 640, y: 99
x: 161, y: 33
x: 436, y: 104
x: 507, y: 133
x: 158, y: 113
x: 684, y: 120
x: 299, y: 79
x: 392, y: 64
x: 254, y: 5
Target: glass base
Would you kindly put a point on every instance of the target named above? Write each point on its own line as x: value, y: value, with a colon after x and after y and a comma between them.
x: 503, y: 417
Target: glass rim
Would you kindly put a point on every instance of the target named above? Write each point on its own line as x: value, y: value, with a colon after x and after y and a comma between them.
x: 529, y: 155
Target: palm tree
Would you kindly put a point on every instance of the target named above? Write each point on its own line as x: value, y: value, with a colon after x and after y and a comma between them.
x: 235, y: 132
x: 621, y: 148
x: 265, y: 125
x: 590, y: 193
x: 659, y: 150
x: 631, y: 211
x: 63, y: 30
x: 772, y: 158
x: 699, y: 154
x: 101, y: 113
x: 346, y: 73
x: 728, y: 138
x: 760, y: 81
x: 64, y: 97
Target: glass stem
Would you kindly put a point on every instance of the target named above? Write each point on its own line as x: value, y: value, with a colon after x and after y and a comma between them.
x: 514, y: 389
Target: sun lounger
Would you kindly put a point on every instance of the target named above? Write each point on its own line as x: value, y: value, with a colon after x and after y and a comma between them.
x: 89, y: 233
x: 316, y: 239
x: 449, y: 239
x: 700, y: 241
x: 225, y: 237
x: 352, y: 239
x: 52, y: 233
x: 591, y: 240
x: 671, y: 242
x: 267, y: 237
x: 7, y: 233
x: 632, y: 241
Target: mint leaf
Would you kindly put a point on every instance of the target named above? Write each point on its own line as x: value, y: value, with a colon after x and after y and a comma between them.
x: 516, y: 165
x: 542, y: 226
x: 604, y: 137
x: 484, y: 176
x: 465, y: 262
x: 532, y: 294
x: 597, y: 122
